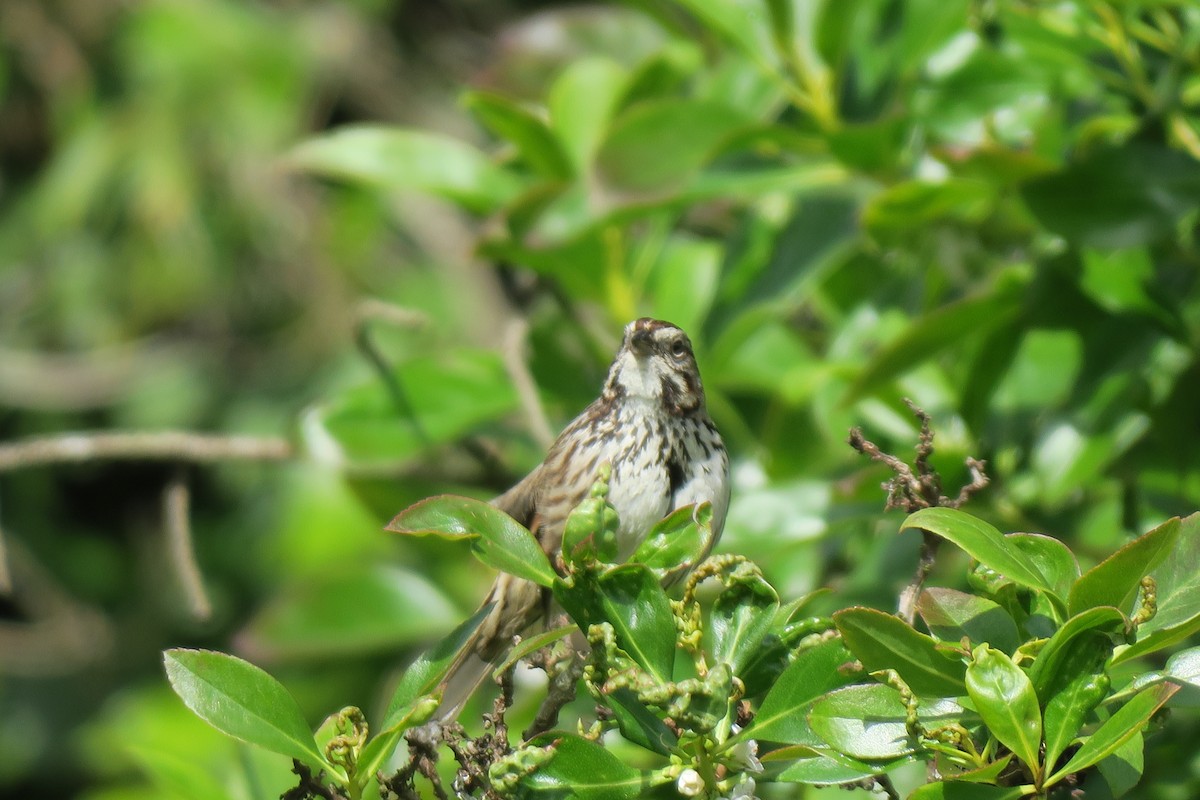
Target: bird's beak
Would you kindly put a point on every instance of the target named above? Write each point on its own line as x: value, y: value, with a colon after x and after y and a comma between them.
x: 640, y: 342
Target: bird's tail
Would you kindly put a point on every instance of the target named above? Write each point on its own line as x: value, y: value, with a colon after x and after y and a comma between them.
x: 515, y: 605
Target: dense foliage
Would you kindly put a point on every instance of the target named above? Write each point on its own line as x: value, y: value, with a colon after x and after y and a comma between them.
x: 212, y: 212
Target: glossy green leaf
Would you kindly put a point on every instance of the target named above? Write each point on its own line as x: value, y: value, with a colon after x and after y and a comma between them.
x: 376, y: 608
x: 496, y: 538
x: 963, y: 790
x: 1117, y: 197
x: 424, y: 674
x: 634, y: 603
x: 579, y: 768
x: 681, y: 538
x: 383, y: 744
x: 1116, y: 730
x: 1068, y: 708
x: 660, y: 144
x: 639, y: 724
x: 394, y: 158
x: 1118, y: 773
x: 1004, y: 697
x: 981, y: 541
x: 525, y: 130
x: 1079, y: 647
x: 813, y: 672
x: 985, y: 774
x: 826, y: 770
x: 951, y: 615
x: 1053, y: 559
x: 868, y: 721
x: 1114, y: 581
x: 1177, y: 582
x: 239, y: 699
x: 882, y: 641
x: 1183, y: 668
x: 741, y: 615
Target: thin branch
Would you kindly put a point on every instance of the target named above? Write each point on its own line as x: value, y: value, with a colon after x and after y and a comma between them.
x: 74, y: 448
x: 512, y: 349
x: 6, y: 585
x: 182, y: 551
x: 564, y: 682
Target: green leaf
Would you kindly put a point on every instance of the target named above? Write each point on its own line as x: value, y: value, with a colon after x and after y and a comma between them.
x: 1067, y: 710
x: 981, y: 541
x: 825, y: 770
x: 582, y: 100
x: 962, y: 790
x: 660, y: 144
x: 579, y: 768
x: 1114, y: 581
x: 1118, y: 197
x: 882, y: 641
x: 1004, y: 697
x: 678, y: 541
x: 377, y: 608
x: 868, y: 721
x: 944, y: 327
x: 740, y: 617
x: 383, y: 744
x: 951, y: 615
x: 634, y: 603
x: 814, y: 671
x: 1116, y: 730
x: 1079, y: 647
x: 1053, y: 559
x: 424, y: 674
x: 1119, y: 772
x: 394, y: 158
x: 239, y: 699
x: 1177, y: 581
x: 638, y: 724
x: 523, y: 129
x: 1184, y: 669
x: 496, y: 538
x: 531, y: 645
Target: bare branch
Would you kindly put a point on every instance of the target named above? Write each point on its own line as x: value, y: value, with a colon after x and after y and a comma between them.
x: 512, y: 349
x: 176, y: 523
x: 979, y: 480
x: 74, y: 448
x: 564, y: 675
x: 6, y: 584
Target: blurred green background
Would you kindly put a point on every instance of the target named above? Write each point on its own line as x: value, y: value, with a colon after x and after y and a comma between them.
x: 215, y: 215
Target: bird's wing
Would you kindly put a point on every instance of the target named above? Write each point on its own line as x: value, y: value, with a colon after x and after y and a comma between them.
x: 520, y: 502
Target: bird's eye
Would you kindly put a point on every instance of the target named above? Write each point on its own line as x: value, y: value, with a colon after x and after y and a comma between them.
x: 678, y: 348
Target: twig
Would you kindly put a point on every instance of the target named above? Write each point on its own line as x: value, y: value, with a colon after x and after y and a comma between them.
x: 911, y: 491
x: 564, y: 683
x: 310, y: 785
x: 512, y: 350
x: 176, y: 523
x: 6, y: 584
x: 74, y: 448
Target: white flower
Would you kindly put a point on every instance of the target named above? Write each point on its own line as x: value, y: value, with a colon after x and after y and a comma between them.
x: 690, y: 783
x: 745, y: 754
x: 744, y: 790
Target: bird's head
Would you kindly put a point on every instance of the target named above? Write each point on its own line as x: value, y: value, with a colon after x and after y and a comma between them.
x: 656, y: 363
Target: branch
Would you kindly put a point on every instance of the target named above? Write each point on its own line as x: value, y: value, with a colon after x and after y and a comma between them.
x: 200, y: 448
x: 176, y: 500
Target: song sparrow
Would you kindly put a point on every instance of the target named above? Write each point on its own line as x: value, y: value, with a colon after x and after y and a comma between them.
x: 650, y: 424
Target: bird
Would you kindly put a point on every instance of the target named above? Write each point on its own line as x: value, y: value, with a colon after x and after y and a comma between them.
x: 650, y: 424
